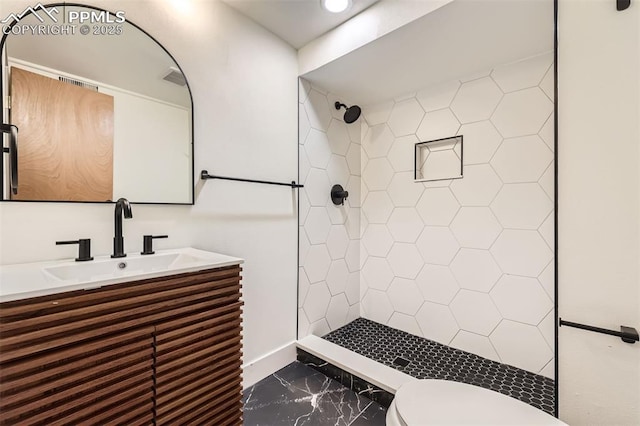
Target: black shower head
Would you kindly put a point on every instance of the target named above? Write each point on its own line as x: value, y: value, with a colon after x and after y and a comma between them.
x: 351, y: 114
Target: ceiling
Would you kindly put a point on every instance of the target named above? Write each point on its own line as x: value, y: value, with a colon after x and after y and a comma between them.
x: 296, y: 21
x: 458, y: 40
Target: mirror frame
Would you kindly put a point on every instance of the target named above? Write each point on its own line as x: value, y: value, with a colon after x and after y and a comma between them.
x: 2, y: 171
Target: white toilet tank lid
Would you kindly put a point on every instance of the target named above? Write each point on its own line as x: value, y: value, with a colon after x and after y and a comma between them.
x: 444, y: 402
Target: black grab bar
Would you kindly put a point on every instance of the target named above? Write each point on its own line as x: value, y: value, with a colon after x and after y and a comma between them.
x: 205, y: 175
x: 627, y: 334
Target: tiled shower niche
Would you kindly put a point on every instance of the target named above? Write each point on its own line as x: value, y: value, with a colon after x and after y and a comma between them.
x: 464, y: 262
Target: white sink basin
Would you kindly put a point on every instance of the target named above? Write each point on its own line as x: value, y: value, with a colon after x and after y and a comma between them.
x: 111, y: 268
x: 38, y: 279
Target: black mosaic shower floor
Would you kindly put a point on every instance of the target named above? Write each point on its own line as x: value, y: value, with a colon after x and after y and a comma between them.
x: 432, y: 360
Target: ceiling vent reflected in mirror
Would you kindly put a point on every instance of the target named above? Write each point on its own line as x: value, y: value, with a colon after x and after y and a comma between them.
x: 175, y: 76
x: 78, y: 83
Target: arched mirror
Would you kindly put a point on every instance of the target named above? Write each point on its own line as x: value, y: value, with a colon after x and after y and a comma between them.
x: 102, y: 110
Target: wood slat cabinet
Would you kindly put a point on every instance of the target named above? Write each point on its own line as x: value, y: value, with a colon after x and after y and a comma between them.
x: 164, y: 351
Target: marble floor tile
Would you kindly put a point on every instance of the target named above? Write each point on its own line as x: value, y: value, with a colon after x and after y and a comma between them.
x: 298, y: 395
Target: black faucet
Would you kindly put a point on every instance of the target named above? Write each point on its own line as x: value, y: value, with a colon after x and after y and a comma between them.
x: 122, y: 205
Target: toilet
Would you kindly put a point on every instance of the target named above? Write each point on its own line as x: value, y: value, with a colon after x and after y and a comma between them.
x: 443, y: 402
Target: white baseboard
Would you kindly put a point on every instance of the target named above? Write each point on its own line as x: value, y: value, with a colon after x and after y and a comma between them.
x: 268, y: 364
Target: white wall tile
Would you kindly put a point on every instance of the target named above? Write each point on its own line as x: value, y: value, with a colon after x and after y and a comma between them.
x: 376, y: 306
x: 317, y: 225
x: 521, y: 252
x: 337, y: 277
x: 475, y: 269
x: 352, y: 257
x: 437, y: 284
x: 521, y: 299
x: 547, y: 328
x: 521, y: 206
x: 475, y: 227
x: 337, y: 214
x: 377, y: 240
x: 475, y: 312
x: 338, y: 137
x: 481, y: 140
x: 377, y: 272
x: 377, y: 141
x: 404, y: 191
x: 437, y: 323
x: 377, y: 207
x: 522, y: 159
x: 405, y: 296
x: 378, y: 113
x: 303, y: 286
x: 303, y: 123
x: 476, y: 344
x: 476, y: 100
x: 338, y: 170
x: 547, y: 279
x: 438, y: 125
x: 337, y: 311
x: 352, y: 223
x: 405, y: 117
x: 317, y: 301
x: 522, y: 74
x: 438, y: 97
x: 317, y: 148
x: 317, y: 187
x: 405, y: 260
x: 478, y: 187
x: 437, y: 245
x: 547, y: 85
x: 353, y: 159
x: 405, y: 323
x: 318, y: 111
x: 547, y: 230
x: 317, y: 263
x: 405, y: 224
x: 378, y: 174
x: 547, y: 133
x: 437, y: 206
x: 547, y: 181
x: 522, y: 113
x: 353, y: 288
x: 521, y: 345
x: 354, y: 187
x: 401, y: 154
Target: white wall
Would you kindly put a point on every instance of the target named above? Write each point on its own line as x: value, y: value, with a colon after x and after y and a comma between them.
x: 244, y: 83
x: 466, y: 262
x: 599, y: 210
x: 329, y: 276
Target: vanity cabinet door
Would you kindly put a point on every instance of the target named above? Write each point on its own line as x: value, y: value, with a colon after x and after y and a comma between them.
x: 198, y: 359
x: 164, y: 350
x: 73, y: 380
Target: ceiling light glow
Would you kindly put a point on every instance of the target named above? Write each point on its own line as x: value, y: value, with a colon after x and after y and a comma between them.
x: 335, y: 6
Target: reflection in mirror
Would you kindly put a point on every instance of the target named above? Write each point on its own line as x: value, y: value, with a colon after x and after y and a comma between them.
x: 101, y: 116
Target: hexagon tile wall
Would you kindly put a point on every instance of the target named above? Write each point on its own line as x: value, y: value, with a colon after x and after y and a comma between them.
x: 329, y: 274
x: 468, y: 262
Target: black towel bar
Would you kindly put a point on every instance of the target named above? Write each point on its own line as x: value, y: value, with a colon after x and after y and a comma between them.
x: 205, y: 175
x: 627, y: 334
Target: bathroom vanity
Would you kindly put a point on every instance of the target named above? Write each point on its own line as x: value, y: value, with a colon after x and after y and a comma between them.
x: 93, y: 344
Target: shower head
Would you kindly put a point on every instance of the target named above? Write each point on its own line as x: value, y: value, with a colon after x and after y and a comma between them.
x: 351, y: 114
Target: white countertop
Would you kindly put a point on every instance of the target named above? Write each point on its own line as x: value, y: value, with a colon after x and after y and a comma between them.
x: 25, y: 280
